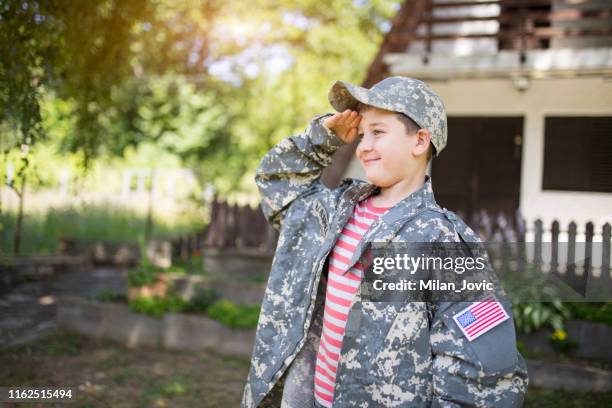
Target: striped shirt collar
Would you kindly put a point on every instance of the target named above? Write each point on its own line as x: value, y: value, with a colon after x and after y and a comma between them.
x: 422, y: 197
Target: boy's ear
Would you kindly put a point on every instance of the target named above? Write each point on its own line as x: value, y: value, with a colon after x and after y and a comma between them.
x: 422, y: 142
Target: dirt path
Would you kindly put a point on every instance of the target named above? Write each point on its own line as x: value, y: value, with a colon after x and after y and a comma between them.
x: 108, y: 375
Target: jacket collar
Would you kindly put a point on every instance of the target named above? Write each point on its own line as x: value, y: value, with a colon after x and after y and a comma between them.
x: 422, y: 197
x: 385, y: 227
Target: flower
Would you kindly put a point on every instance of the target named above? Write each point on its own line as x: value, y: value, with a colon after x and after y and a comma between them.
x: 559, y: 335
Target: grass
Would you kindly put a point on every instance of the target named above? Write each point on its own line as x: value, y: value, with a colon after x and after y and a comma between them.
x: 109, y: 375
x: 42, y: 230
x: 110, y: 295
x: 106, y: 374
x: 543, y: 398
x: 62, y: 344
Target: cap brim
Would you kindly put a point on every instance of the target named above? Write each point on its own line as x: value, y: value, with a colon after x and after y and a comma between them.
x: 344, y: 95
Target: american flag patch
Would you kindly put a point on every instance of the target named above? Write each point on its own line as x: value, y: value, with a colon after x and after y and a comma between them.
x: 480, y: 317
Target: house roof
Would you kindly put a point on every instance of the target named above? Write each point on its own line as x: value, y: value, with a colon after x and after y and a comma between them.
x: 445, y: 39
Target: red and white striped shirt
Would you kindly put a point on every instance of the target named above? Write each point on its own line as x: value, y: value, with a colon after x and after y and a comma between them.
x: 339, y: 295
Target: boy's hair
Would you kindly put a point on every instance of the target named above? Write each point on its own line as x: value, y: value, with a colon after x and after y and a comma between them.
x: 409, y: 124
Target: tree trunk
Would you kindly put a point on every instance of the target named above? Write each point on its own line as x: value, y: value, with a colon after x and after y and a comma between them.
x: 149, y: 224
x: 19, y: 222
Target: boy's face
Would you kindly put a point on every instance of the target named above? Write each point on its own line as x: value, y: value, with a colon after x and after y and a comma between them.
x: 386, y: 152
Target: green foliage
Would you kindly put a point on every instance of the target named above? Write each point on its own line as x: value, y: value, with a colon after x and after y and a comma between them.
x: 144, y: 274
x: 158, y: 306
x: 125, y: 73
x: 534, y: 315
x: 562, y: 344
x: 80, y: 49
x: 207, y: 302
x: 147, y: 273
x: 256, y: 278
x: 202, y: 301
x: 192, y: 266
x: 599, y: 312
x: 23, y: 38
x: 42, y: 231
x: 174, y: 388
x: 181, y: 118
x: 235, y: 316
x: 110, y: 295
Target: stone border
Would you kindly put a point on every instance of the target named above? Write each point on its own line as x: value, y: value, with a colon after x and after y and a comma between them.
x: 593, y: 340
x: 120, y: 253
x: 15, y: 270
x: 175, y: 331
x: 187, y: 286
x: 229, y: 263
x: 568, y: 377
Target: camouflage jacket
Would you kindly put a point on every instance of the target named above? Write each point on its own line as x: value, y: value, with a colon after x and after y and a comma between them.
x: 411, y: 355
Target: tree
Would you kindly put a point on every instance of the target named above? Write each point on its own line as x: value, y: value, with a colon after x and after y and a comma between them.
x: 141, y: 71
x: 77, y: 48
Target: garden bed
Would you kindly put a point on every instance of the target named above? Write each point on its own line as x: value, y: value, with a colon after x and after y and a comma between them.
x: 590, y: 340
x: 116, y: 321
x: 189, y: 279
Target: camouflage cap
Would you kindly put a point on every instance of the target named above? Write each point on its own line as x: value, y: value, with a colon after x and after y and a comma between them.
x: 409, y: 96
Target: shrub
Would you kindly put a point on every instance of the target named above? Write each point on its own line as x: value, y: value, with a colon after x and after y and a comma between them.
x: 158, y: 306
x: 145, y: 274
x: 192, y: 266
x: 235, y: 316
x: 109, y: 295
x: 594, y: 312
x: 202, y: 301
x: 534, y: 315
x: 207, y: 302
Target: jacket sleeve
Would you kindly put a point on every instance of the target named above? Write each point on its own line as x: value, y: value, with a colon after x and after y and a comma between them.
x: 485, y: 372
x: 488, y: 370
x: 293, y: 167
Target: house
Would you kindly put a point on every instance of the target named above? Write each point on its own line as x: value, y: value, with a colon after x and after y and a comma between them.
x: 528, y: 89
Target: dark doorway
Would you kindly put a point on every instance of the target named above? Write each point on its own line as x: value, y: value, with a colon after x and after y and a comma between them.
x: 480, y: 167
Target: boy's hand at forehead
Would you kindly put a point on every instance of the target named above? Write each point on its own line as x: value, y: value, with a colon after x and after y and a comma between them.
x: 344, y: 124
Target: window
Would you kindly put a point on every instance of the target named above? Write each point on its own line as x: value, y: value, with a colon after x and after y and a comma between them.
x: 578, y: 154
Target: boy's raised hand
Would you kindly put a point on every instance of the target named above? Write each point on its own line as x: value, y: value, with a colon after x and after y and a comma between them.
x: 344, y: 124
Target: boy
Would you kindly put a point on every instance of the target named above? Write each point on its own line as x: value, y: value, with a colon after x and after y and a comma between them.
x: 319, y: 343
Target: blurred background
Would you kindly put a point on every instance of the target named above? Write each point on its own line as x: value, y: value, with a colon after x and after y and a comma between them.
x: 133, y: 254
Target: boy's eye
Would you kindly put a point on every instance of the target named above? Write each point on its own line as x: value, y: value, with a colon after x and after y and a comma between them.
x: 360, y: 135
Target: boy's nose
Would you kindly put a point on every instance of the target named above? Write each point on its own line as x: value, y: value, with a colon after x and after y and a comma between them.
x: 366, y: 142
